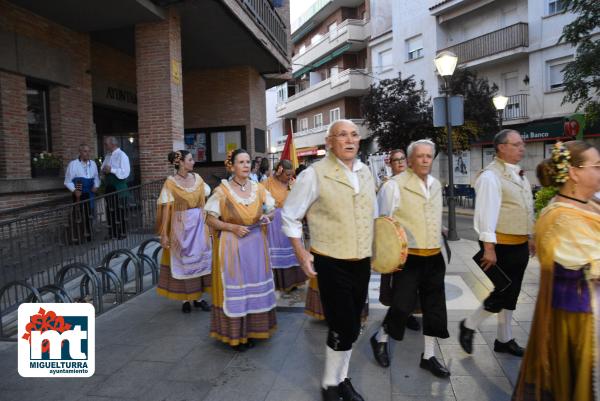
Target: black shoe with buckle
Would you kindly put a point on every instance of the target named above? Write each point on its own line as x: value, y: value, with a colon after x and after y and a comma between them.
x: 347, y: 392
x: 465, y: 337
x: 434, y: 366
x: 412, y: 323
x: 330, y: 393
x: 510, y: 347
x: 186, y: 307
x: 202, y: 304
x: 380, y: 351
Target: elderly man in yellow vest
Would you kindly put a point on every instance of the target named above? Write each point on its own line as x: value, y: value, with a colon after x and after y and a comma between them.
x: 504, y: 221
x: 417, y: 205
x: 337, y: 195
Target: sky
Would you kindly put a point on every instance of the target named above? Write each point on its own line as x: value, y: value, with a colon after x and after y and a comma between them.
x: 297, y: 7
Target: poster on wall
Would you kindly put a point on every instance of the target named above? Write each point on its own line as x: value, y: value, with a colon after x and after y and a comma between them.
x: 462, y: 168
x: 548, y: 150
x: 195, y: 143
x: 488, y: 156
x: 222, y: 142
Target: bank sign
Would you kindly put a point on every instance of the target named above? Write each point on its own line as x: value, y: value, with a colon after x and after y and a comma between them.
x: 56, y: 340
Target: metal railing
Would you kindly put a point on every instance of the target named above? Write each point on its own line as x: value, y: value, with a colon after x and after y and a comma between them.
x: 35, y: 248
x: 269, y: 21
x: 511, y: 37
x: 516, y: 108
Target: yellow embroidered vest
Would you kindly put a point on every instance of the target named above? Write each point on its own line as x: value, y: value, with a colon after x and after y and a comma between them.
x: 420, y: 217
x: 516, y: 209
x: 340, y: 221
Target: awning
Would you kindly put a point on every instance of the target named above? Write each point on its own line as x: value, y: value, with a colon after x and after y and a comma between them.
x: 322, y: 61
x: 309, y: 151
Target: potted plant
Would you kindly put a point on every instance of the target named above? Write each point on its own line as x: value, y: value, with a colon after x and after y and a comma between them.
x: 46, y: 164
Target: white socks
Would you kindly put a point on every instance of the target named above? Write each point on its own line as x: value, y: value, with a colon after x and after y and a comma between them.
x: 504, y: 334
x: 382, y: 336
x: 336, y: 367
x: 429, y: 348
x: 473, y: 321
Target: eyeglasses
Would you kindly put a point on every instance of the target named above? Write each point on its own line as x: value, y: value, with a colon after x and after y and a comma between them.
x: 515, y: 144
x: 590, y: 165
x: 398, y: 159
x: 345, y: 135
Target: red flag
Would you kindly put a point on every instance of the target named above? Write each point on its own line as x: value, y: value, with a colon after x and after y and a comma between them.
x: 289, y: 149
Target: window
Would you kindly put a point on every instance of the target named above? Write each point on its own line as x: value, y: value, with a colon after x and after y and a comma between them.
x: 555, y: 6
x: 414, y: 47
x: 302, y: 49
x: 303, y: 126
x: 334, y: 114
x: 318, y: 120
x: 38, y: 119
x: 316, y: 39
x: 334, y: 71
x: 332, y: 28
x: 555, y: 73
x: 385, y: 60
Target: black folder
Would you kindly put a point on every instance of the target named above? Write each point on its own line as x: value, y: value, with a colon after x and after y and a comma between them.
x: 496, y: 275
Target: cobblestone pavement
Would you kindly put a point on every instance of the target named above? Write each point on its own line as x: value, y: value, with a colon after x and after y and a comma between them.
x: 148, y: 350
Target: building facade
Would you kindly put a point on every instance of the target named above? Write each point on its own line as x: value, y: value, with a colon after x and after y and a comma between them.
x: 330, y: 72
x: 513, y: 43
x: 151, y: 73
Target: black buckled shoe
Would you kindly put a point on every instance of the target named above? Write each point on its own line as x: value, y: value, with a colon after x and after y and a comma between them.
x: 465, y: 337
x: 412, y: 323
x: 186, y: 307
x: 331, y: 393
x: 434, y: 366
x: 380, y: 351
x: 510, y: 347
x: 347, y: 392
x: 202, y: 304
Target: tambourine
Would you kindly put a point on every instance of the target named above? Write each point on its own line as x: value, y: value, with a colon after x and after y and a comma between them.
x: 390, y: 246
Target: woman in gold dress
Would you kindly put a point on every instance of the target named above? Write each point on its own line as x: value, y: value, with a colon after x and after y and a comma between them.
x: 562, y: 359
x: 187, y: 250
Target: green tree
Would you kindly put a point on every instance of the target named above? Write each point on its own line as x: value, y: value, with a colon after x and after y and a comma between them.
x: 582, y: 75
x: 398, y: 111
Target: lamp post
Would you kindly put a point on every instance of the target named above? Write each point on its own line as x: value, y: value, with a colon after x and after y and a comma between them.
x: 445, y: 63
x: 500, y: 104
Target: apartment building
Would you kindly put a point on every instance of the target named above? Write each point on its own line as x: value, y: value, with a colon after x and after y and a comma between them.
x: 513, y: 43
x: 330, y: 72
x: 159, y: 75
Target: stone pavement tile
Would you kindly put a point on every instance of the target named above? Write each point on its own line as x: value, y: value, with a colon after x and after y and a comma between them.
x: 16, y: 387
x: 290, y: 321
x: 312, y: 341
x: 511, y: 367
x: 300, y: 394
x: 206, y: 361
x: 407, y: 378
x: 524, y: 312
x: 268, y: 354
x: 525, y: 299
x: 526, y: 326
x: 402, y: 397
x: 112, y: 357
x: 133, y: 379
x: 530, y: 289
x: 481, y: 363
x: 167, y: 349
x: 165, y: 390
x: 302, y: 369
x: 94, y: 398
x: 243, y: 383
x: 481, y: 388
x: 313, y: 324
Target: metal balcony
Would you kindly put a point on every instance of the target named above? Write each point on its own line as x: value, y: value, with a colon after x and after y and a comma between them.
x: 511, y: 37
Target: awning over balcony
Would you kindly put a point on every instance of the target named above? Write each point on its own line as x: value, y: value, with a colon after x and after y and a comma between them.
x: 322, y: 61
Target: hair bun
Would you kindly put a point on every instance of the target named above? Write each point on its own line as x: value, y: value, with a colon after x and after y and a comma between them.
x: 171, y: 157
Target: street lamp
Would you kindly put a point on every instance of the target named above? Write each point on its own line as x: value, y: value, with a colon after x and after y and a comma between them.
x: 445, y: 63
x: 500, y: 104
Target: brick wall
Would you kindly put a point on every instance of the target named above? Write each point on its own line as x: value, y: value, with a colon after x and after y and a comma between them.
x: 160, y: 94
x: 112, y: 65
x: 14, y: 134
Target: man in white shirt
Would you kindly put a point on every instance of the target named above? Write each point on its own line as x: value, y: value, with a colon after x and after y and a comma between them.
x: 337, y: 196
x: 81, y: 178
x: 504, y: 221
x: 116, y: 169
x: 416, y: 203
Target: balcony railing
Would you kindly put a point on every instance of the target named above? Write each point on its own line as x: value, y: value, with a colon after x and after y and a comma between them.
x: 268, y: 20
x: 508, y: 38
x: 516, y: 108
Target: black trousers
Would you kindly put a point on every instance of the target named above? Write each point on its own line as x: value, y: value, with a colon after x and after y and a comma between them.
x: 512, y: 259
x: 81, y: 220
x: 343, y: 287
x: 421, y: 278
x: 116, y: 212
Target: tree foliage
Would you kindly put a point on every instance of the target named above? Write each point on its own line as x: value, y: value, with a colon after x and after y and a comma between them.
x: 399, y: 111
x: 582, y: 75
